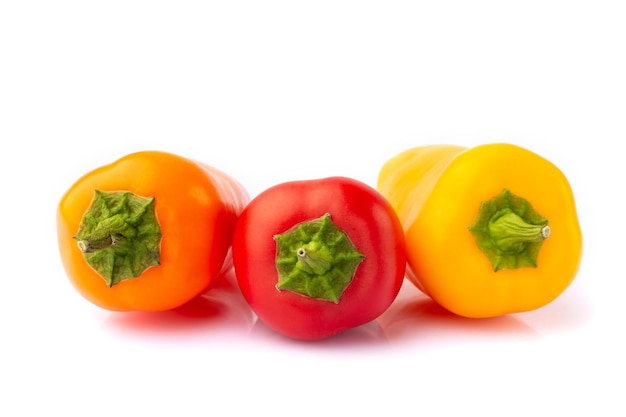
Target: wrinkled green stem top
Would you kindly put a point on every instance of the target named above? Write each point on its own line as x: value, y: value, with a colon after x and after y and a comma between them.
x: 509, y: 231
x: 316, y: 259
x: 119, y: 235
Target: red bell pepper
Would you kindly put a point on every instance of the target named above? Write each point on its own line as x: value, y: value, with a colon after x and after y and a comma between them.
x: 314, y: 258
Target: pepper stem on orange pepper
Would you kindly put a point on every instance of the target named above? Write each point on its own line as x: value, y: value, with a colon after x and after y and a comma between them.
x: 119, y: 235
x: 94, y: 244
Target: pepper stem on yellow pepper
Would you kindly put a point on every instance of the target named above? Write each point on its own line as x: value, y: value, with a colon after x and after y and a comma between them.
x: 509, y: 231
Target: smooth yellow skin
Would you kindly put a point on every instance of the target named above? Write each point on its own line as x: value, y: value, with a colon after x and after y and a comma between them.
x: 437, y: 191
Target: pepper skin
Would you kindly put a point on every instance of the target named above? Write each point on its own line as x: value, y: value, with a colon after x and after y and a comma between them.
x: 196, y: 207
x: 489, y: 230
x: 314, y: 258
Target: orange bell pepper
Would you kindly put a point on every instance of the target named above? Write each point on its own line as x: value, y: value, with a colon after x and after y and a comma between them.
x: 148, y: 232
x: 489, y: 230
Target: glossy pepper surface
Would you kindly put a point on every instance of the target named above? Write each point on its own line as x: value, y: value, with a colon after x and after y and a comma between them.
x: 489, y: 230
x: 314, y: 258
x: 148, y: 232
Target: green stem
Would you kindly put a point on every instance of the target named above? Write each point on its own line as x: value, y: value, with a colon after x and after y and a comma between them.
x: 119, y: 235
x: 316, y: 259
x: 509, y: 232
x: 90, y: 245
x: 312, y: 261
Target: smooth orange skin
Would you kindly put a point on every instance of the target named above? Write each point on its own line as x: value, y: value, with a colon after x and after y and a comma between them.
x: 437, y: 191
x: 197, y: 207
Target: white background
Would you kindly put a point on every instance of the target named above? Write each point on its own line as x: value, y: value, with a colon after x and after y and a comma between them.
x: 274, y: 91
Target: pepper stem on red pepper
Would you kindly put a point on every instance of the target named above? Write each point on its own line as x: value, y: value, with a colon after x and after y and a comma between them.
x: 119, y: 235
x: 316, y: 259
x: 312, y: 261
x: 509, y: 231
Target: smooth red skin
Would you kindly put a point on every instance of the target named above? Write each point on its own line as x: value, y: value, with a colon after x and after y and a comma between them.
x: 362, y: 213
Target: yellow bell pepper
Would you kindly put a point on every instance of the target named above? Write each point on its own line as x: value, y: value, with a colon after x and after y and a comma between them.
x: 490, y: 230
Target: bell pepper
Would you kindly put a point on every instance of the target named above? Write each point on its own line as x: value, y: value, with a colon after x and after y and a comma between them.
x: 490, y: 230
x: 314, y: 258
x: 148, y: 232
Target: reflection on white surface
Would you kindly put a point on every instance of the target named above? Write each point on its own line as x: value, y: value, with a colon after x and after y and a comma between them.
x: 412, y: 320
x: 220, y: 310
x: 415, y: 318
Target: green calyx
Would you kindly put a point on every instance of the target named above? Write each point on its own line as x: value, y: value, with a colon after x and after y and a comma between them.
x: 316, y: 259
x: 119, y: 235
x: 509, y: 231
